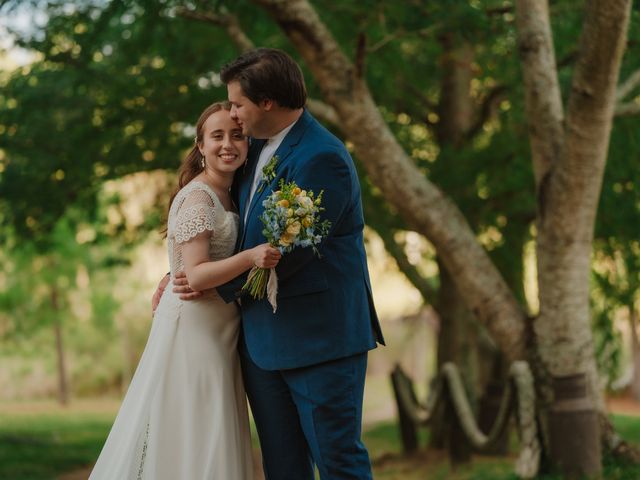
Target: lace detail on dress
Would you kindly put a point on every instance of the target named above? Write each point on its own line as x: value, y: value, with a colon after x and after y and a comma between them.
x: 194, y: 220
x: 194, y: 210
x: 144, y: 453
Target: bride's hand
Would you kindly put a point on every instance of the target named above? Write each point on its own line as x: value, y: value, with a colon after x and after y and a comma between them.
x: 155, y: 300
x: 181, y: 286
x: 265, y: 256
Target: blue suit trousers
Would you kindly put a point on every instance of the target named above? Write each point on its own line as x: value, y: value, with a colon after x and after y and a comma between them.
x: 309, y: 416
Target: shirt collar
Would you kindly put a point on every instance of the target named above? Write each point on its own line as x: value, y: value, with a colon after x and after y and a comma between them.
x: 278, y: 137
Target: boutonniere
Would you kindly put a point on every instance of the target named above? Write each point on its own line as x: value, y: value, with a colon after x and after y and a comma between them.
x: 269, y: 172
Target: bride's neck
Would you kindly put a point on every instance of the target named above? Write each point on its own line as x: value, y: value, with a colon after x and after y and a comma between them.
x: 219, y: 183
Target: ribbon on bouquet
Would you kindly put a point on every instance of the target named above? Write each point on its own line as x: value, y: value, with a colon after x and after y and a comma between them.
x: 272, y: 289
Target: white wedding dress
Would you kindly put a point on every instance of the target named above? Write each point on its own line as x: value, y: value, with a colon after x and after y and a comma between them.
x: 184, y: 416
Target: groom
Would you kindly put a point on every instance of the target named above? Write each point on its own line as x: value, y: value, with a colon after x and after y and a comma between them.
x: 304, y: 366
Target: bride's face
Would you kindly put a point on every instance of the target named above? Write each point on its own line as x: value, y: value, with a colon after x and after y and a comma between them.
x: 224, y: 147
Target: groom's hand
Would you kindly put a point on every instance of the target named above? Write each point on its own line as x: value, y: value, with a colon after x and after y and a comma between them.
x: 181, y: 286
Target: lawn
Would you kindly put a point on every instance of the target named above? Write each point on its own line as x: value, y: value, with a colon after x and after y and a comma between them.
x: 44, y: 444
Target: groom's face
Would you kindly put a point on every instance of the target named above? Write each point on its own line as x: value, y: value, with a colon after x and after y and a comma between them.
x: 251, y: 117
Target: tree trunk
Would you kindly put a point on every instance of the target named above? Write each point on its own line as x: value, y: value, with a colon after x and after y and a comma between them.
x: 455, y: 108
x: 569, y: 164
x: 63, y: 383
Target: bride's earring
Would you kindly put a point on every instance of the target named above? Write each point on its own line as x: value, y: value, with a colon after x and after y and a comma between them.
x: 202, y: 162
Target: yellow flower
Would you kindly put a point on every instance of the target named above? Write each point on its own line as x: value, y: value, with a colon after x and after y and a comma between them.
x: 284, y: 203
x: 296, y: 191
x: 303, y: 193
x: 306, y: 222
x: 285, y: 240
x: 293, y: 229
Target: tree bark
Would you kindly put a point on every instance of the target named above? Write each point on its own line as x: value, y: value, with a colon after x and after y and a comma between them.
x: 568, y: 209
x: 569, y: 203
x: 542, y: 90
x: 455, y: 109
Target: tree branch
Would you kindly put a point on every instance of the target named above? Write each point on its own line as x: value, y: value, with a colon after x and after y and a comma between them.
x: 416, y: 92
x: 628, y: 85
x: 396, y: 250
x: 389, y: 37
x: 542, y: 91
x: 386, y: 39
x: 227, y: 21
x: 499, y: 10
x: 591, y: 106
x: 487, y: 109
x: 627, y: 109
x: 323, y: 111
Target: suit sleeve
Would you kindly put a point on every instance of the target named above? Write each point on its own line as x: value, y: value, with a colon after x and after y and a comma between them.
x: 328, y: 173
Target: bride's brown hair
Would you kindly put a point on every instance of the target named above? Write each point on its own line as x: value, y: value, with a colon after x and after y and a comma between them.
x: 191, y: 166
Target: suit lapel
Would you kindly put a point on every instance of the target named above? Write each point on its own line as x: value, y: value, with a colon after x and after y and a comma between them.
x: 247, y: 179
x: 244, y: 185
x: 284, y: 154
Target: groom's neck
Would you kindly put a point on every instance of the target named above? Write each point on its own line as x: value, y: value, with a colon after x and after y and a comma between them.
x: 282, y: 118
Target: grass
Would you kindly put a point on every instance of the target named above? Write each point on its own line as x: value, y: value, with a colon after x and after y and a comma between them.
x: 389, y: 464
x: 43, y: 445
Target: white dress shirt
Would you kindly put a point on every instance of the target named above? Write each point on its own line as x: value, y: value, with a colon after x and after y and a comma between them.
x: 266, y: 153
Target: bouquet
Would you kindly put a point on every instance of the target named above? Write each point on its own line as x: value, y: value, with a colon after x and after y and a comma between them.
x: 291, y: 219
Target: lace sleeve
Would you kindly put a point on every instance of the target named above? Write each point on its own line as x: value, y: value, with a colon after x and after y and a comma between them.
x: 196, y: 215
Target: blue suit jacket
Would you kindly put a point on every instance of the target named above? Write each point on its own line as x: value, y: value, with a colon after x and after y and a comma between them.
x: 325, y: 307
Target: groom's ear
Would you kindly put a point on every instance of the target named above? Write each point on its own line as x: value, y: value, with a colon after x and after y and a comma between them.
x: 267, y: 105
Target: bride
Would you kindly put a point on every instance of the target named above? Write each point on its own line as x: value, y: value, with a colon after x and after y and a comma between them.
x: 184, y: 415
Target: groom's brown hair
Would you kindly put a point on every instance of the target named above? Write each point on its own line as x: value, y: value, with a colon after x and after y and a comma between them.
x: 268, y: 74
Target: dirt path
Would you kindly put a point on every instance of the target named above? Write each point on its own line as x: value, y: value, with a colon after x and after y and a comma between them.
x: 623, y: 406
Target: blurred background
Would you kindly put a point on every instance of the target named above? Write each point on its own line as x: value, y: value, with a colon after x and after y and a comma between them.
x: 98, y: 101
